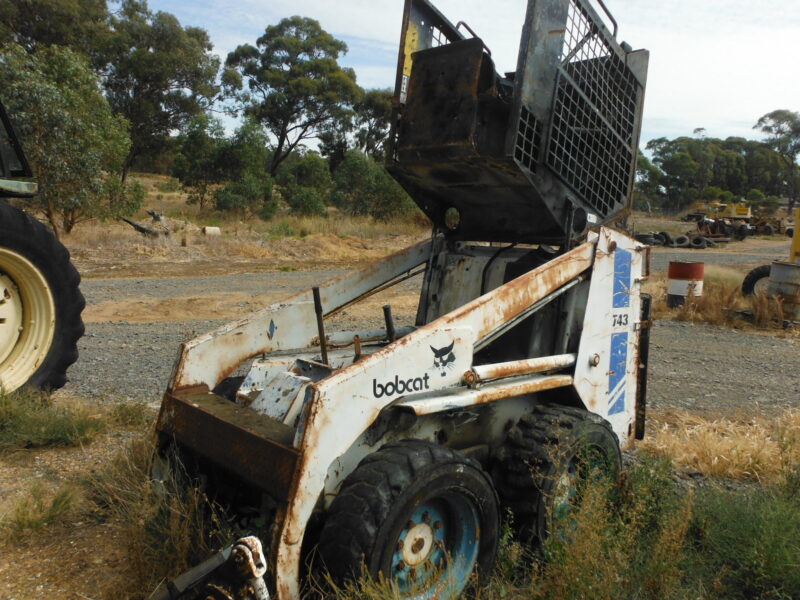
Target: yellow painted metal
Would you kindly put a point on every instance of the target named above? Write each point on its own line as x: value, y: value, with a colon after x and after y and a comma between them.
x: 794, y: 252
x: 412, y: 45
x: 27, y: 319
x: 738, y: 210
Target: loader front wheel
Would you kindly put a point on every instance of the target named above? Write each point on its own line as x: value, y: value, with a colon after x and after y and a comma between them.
x: 547, y: 459
x: 40, y: 304
x: 417, y: 513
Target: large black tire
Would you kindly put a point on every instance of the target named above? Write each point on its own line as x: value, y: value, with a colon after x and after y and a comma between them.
x: 34, y: 265
x: 755, y: 280
x: 547, y: 457
x: 790, y: 232
x: 668, y: 241
x: 741, y: 232
x: 682, y: 241
x: 375, y: 520
x: 698, y: 242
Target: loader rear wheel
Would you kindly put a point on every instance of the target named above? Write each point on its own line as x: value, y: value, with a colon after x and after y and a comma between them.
x: 545, y: 462
x: 415, y: 512
x: 756, y: 281
x: 40, y: 304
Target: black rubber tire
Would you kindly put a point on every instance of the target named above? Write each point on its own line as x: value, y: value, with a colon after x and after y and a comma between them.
x: 698, y: 242
x: 668, y: 241
x: 658, y: 239
x: 741, y: 232
x: 538, y: 450
x: 682, y: 241
x: 769, y: 229
x: 790, y: 232
x: 645, y: 238
x: 752, y: 279
x: 379, y: 496
x: 25, y: 235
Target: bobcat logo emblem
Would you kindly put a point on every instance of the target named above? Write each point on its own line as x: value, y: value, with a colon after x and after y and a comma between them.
x: 443, y: 357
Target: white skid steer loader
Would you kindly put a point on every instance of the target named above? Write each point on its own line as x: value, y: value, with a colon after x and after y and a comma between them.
x: 398, y: 450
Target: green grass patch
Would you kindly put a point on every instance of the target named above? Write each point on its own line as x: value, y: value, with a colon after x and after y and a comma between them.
x: 38, y: 509
x: 31, y: 420
x: 134, y: 415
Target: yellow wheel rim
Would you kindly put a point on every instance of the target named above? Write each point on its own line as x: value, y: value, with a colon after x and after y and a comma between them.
x: 27, y: 319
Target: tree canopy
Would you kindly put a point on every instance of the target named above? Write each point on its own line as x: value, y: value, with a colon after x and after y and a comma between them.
x: 291, y: 81
x: 159, y: 75
x: 81, y: 25
x: 783, y: 128
x: 688, y: 168
x: 75, y: 144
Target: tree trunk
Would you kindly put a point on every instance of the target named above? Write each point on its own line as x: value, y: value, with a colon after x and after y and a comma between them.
x: 50, y: 214
x: 126, y: 165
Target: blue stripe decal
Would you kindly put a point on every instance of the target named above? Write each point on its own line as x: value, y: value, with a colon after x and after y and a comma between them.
x: 618, y: 363
x: 622, y: 278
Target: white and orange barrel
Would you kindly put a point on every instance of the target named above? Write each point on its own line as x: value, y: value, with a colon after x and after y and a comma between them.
x: 684, y: 279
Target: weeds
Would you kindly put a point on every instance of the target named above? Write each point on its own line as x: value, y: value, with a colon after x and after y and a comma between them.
x: 652, y: 540
x: 168, y: 525
x: 131, y: 414
x: 38, y: 509
x: 747, y: 543
x: 30, y: 420
x: 756, y: 449
x: 721, y: 303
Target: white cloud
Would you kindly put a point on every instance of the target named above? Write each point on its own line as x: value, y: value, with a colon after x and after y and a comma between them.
x: 718, y: 64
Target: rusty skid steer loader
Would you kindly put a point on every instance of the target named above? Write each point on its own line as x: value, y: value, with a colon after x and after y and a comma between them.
x: 399, y: 449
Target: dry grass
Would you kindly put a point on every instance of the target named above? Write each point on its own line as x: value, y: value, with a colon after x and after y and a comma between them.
x: 642, y: 223
x: 37, y: 509
x: 31, y: 419
x: 722, y: 302
x: 167, y: 525
x: 757, y: 448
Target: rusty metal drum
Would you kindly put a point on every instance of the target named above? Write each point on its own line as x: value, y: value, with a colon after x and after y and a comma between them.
x: 784, y: 281
x: 684, y: 279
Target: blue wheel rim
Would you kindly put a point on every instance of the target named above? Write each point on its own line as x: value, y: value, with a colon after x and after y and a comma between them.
x: 437, y: 549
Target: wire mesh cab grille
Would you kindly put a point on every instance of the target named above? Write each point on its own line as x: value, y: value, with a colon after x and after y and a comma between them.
x: 592, y: 140
x: 527, y: 156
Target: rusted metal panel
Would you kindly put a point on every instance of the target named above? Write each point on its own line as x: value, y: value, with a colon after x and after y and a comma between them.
x: 256, y: 448
x: 784, y: 283
x: 522, y: 158
x: 607, y: 368
x: 491, y: 392
x: 518, y: 367
x: 643, y: 360
x: 341, y: 339
x: 354, y: 394
x: 287, y: 325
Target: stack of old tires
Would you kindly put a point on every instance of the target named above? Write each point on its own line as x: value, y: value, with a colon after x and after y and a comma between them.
x: 663, y: 238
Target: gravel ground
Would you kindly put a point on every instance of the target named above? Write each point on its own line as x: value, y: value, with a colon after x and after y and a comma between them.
x: 693, y: 367
x: 661, y: 257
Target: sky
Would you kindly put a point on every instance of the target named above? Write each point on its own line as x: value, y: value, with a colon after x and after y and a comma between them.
x: 715, y: 64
